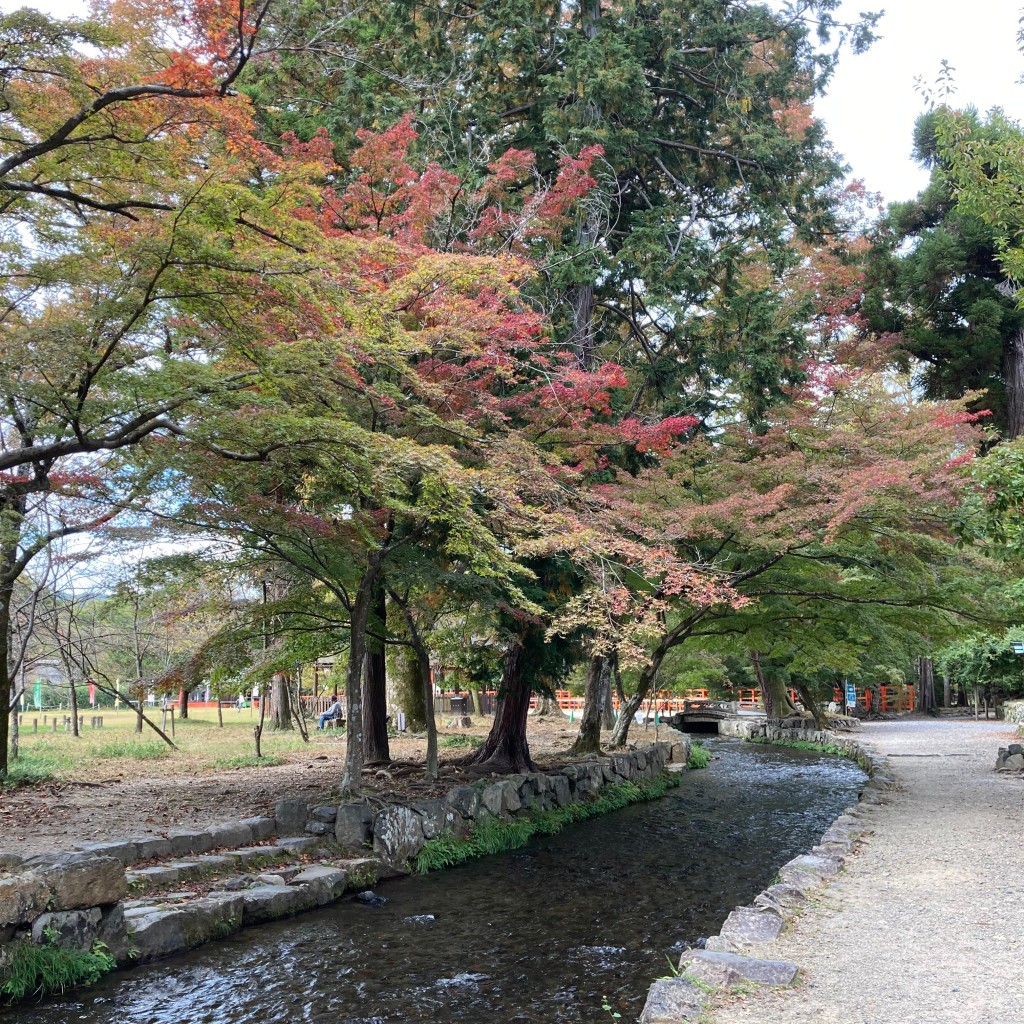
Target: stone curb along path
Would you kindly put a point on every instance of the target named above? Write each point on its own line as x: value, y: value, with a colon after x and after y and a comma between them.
x: 736, y: 956
x: 152, y: 896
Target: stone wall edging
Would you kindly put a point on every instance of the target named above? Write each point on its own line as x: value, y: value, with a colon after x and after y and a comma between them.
x: 726, y: 958
x: 80, y: 897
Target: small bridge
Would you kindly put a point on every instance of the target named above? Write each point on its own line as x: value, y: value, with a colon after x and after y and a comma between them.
x: 729, y: 717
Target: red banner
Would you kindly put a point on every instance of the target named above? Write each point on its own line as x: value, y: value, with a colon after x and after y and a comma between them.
x: 92, y: 692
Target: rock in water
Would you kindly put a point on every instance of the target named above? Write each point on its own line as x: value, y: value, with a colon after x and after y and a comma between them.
x: 370, y: 898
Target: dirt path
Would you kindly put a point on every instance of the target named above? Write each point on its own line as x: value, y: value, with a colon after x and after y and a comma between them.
x: 152, y: 799
x: 926, y: 924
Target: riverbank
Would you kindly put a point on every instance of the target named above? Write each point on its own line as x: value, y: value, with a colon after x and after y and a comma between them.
x: 142, y: 786
x: 923, y: 925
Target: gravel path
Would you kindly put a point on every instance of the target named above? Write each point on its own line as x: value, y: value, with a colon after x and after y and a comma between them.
x: 926, y: 924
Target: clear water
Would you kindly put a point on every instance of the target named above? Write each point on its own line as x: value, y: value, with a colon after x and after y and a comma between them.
x: 543, y: 935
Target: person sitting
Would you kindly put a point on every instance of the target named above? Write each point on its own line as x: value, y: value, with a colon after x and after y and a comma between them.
x: 333, y: 712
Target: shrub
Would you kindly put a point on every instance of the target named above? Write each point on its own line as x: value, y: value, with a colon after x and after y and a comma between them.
x: 700, y: 756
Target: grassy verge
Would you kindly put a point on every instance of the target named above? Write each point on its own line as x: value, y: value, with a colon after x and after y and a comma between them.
x: 496, y: 835
x: 823, y: 748
x: 47, y: 969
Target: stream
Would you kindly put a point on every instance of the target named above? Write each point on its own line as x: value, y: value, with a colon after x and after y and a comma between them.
x: 542, y: 935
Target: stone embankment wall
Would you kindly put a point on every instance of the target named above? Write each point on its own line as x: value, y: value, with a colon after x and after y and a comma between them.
x: 150, y: 896
x: 1013, y: 711
x: 741, y: 952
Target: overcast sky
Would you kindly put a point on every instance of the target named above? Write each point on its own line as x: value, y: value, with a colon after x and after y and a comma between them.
x: 872, y: 104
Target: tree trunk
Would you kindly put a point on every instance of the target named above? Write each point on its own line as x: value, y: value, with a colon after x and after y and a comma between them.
x: 925, y: 684
x: 1013, y: 377
x: 478, y: 702
x: 774, y: 697
x: 628, y: 707
x: 140, y: 698
x: 280, y: 702
x: 409, y: 689
x: 588, y: 739
x: 73, y: 705
x: 607, y: 705
x: 820, y: 718
x: 581, y: 296
x: 257, y: 730
x: 506, y: 748
x: 427, y: 697
x: 547, y: 706
x: 375, y: 687
x: 351, y: 783
x: 183, y: 703
x: 7, y: 638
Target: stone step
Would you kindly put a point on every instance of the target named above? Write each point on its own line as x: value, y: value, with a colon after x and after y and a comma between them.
x: 181, y: 920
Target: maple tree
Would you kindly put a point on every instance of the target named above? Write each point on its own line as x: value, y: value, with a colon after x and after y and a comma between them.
x: 848, y: 500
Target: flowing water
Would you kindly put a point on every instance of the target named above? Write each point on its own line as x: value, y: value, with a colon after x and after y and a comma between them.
x: 544, y: 935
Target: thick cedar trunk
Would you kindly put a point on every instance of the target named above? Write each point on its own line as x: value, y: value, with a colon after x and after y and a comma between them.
x: 506, y: 748
x: 183, y: 703
x: 1013, y: 376
x: 375, y: 686
x: 588, y: 739
x: 946, y: 691
x: 280, y: 702
x: 478, y: 702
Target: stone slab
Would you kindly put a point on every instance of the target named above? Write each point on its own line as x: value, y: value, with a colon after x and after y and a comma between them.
x: 723, y: 970
x: 262, y: 828
x: 159, y: 931
x: 671, y: 1000
x: 747, y: 926
x: 123, y: 850
x: 232, y: 833
x: 68, y: 929
x: 77, y: 881
x: 327, y: 883
x: 22, y: 898
x: 269, y: 902
x: 290, y: 817
x: 185, y: 842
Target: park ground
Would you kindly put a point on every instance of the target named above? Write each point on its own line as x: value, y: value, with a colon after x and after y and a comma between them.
x: 924, y: 925
x: 109, y: 782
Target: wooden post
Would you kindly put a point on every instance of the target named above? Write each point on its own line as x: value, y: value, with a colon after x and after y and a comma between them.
x: 35, y: 725
x: 172, y: 722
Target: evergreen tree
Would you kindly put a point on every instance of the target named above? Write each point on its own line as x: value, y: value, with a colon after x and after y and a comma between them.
x: 937, y: 283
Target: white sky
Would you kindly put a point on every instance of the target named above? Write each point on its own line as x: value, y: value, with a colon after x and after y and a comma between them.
x: 872, y: 104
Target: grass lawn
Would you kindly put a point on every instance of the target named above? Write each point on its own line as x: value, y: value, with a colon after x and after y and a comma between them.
x: 117, y: 751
